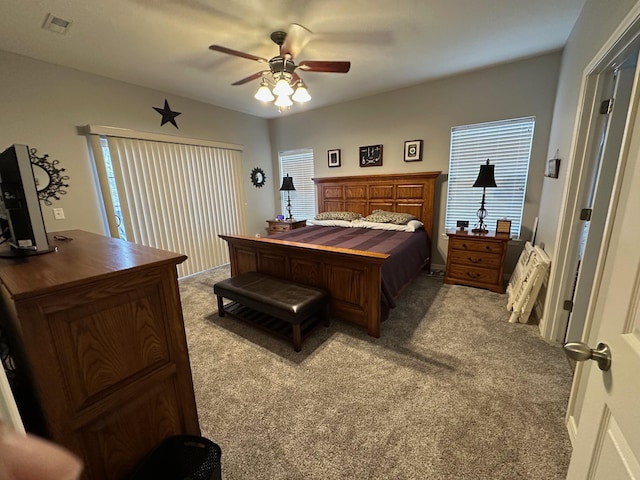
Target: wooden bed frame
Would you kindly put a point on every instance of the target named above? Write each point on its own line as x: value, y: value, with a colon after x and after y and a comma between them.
x: 352, y: 277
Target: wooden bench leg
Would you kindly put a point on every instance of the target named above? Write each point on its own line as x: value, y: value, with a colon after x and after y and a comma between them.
x: 297, y: 337
x: 220, y: 306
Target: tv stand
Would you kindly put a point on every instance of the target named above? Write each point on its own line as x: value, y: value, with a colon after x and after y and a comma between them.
x: 97, y: 331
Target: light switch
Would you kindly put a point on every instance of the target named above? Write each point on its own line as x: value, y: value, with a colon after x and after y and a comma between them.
x: 58, y: 213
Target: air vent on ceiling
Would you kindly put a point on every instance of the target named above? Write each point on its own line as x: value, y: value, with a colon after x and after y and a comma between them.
x: 56, y: 24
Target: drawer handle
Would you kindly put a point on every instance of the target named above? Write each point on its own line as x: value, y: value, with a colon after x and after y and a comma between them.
x: 464, y: 245
x: 473, y: 275
x: 474, y: 260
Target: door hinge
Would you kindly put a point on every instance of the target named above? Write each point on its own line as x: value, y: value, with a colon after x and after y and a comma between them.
x: 585, y: 214
x: 606, y: 106
x: 568, y: 305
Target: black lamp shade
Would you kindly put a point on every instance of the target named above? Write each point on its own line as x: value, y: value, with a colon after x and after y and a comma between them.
x: 287, y: 184
x: 486, y: 176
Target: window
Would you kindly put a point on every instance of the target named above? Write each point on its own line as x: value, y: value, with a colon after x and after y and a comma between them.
x: 298, y: 164
x: 507, y: 144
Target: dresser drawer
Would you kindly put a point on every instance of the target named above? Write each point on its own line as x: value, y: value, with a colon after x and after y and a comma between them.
x: 475, y: 259
x: 473, y: 274
x: 476, y: 245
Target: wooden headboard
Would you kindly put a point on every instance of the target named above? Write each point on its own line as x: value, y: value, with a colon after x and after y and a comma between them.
x: 412, y: 193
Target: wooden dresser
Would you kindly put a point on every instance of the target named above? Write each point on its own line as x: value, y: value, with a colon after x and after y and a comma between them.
x: 97, y: 329
x: 277, y: 226
x: 476, y: 260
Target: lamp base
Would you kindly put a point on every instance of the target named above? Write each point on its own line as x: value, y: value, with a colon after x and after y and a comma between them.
x: 480, y: 230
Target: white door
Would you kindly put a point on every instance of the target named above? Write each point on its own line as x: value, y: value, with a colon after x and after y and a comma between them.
x: 598, y: 194
x: 607, y: 404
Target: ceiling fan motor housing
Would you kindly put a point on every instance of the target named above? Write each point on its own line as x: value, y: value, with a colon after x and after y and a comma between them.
x: 282, y: 65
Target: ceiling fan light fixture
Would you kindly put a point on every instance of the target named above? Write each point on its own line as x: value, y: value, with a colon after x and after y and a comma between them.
x: 264, y: 94
x: 301, y: 94
x: 283, y: 101
x: 282, y: 87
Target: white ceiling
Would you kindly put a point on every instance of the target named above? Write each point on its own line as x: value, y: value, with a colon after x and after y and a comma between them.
x: 163, y: 44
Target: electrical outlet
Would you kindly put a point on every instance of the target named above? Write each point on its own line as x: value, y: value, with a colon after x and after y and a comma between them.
x: 58, y: 213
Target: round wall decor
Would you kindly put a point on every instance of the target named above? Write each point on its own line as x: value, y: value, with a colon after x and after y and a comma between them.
x: 258, y: 177
x: 49, y: 177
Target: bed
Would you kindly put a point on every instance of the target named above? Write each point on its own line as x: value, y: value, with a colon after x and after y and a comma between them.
x: 353, y: 276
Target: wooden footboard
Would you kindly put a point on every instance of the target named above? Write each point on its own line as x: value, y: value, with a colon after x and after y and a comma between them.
x: 353, y: 277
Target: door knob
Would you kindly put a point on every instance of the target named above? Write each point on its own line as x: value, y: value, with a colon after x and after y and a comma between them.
x: 580, y: 352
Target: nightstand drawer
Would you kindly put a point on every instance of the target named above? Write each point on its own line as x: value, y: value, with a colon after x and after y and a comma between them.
x: 279, y: 227
x: 473, y: 274
x: 477, y: 245
x: 475, y: 259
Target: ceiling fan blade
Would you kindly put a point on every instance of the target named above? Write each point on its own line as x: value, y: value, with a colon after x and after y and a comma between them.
x: 229, y: 51
x: 248, y: 79
x: 325, y: 66
x: 296, y: 39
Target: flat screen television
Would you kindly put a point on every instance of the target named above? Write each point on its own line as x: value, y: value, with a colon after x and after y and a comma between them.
x: 21, y: 223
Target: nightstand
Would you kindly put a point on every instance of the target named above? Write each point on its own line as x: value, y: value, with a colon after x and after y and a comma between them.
x: 476, y: 260
x: 277, y: 226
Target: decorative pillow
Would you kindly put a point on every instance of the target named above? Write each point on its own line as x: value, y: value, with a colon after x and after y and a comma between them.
x: 348, y: 216
x: 381, y: 216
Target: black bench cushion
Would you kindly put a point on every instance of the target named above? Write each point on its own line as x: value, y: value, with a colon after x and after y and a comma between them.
x: 283, y: 299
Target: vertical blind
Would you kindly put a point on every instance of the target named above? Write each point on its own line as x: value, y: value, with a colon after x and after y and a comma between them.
x: 299, y: 165
x: 176, y: 197
x: 507, y: 145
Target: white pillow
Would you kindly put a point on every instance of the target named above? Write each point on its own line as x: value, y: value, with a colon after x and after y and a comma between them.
x: 330, y: 223
x: 411, y: 226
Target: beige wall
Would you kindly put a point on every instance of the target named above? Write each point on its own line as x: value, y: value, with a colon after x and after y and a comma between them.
x: 428, y: 111
x: 43, y: 104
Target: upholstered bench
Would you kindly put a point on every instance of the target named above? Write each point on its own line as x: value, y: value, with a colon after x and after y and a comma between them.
x: 281, y: 307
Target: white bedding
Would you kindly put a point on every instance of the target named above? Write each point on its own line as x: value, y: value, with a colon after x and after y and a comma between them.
x: 411, y: 226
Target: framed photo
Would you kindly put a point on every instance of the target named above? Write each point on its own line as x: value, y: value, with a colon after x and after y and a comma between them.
x: 553, y: 168
x: 413, y: 150
x: 370, y: 156
x: 503, y: 226
x: 333, y: 157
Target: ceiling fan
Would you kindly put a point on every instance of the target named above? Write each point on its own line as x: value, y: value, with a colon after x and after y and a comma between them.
x: 280, y: 71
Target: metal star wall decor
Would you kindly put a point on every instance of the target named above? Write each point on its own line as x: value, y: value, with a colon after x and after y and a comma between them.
x: 167, y: 114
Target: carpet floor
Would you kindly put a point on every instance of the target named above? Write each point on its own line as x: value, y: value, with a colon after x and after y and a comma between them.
x: 451, y: 390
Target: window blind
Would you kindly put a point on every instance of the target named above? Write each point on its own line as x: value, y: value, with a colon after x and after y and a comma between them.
x: 507, y: 145
x: 172, y: 196
x: 299, y: 165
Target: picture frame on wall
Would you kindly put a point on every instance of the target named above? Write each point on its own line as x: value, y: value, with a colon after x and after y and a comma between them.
x: 413, y: 151
x: 370, y: 156
x: 333, y: 158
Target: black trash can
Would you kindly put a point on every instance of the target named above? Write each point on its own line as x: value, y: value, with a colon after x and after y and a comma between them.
x: 181, y: 457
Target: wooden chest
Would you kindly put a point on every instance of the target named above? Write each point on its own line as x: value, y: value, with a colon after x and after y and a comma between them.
x: 476, y: 260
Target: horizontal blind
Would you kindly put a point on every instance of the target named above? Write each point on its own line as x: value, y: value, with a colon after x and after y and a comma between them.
x: 179, y: 197
x: 298, y: 164
x: 507, y: 145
